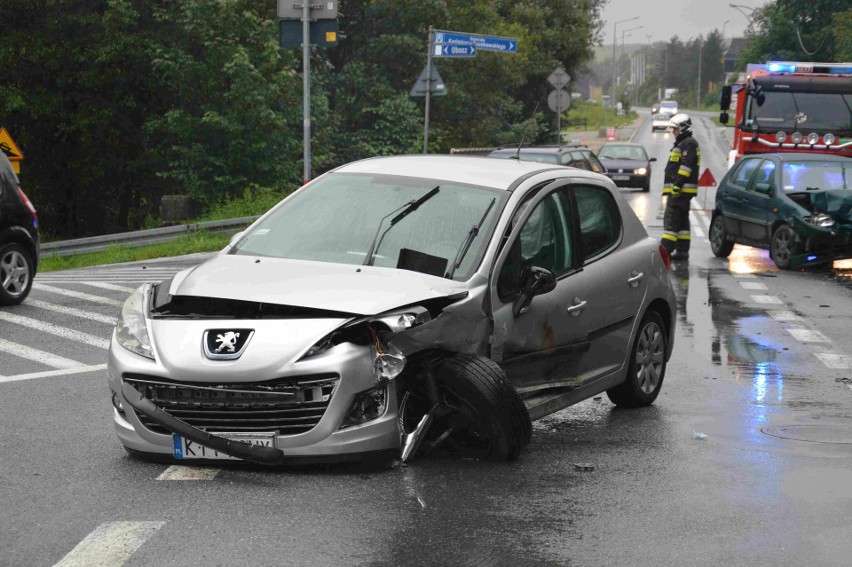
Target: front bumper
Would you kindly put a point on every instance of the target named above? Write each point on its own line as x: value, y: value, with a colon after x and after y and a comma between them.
x: 822, y: 244
x: 628, y: 179
x: 324, y: 441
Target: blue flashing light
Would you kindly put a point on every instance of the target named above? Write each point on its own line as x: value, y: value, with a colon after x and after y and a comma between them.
x: 811, y: 258
x: 780, y: 68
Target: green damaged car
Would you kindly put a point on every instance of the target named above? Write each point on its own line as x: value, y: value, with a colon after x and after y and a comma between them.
x: 798, y: 206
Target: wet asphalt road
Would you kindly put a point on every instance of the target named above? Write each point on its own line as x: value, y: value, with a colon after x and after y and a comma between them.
x: 745, y: 458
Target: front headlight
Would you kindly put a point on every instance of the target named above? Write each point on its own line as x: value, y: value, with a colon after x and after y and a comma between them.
x: 131, y: 331
x: 821, y: 220
x: 641, y: 171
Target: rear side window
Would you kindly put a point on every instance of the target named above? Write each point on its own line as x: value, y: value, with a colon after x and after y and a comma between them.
x: 600, y: 221
x: 744, y: 172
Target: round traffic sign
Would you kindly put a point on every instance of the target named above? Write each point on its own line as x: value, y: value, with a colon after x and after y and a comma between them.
x: 559, y: 100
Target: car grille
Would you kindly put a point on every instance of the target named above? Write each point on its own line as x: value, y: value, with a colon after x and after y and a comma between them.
x: 287, y: 406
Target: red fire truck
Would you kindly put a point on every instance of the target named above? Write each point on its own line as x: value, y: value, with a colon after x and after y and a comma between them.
x: 791, y: 107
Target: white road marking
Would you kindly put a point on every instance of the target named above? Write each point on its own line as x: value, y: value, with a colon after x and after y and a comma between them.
x: 745, y: 276
x: 72, y: 311
x: 52, y: 373
x: 784, y: 316
x: 63, y: 332
x: 753, y: 285
x: 111, y: 287
x: 180, y: 472
x: 111, y: 544
x: 767, y: 299
x: 808, y: 336
x: 696, y: 227
x: 30, y: 353
x: 834, y: 360
x: 77, y: 294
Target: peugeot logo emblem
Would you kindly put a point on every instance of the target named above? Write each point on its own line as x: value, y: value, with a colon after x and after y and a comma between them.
x: 226, y: 344
x: 620, y: 171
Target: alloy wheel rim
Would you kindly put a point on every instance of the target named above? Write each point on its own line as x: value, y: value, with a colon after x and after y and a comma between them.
x: 782, y: 246
x: 716, y: 234
x: 14, y: 273
x: 650, y: 356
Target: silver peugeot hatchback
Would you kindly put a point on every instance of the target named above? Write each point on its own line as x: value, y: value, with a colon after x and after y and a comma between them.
x: 398, y: 306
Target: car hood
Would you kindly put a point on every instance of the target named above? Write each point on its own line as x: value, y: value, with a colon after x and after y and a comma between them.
x: 837, y: 204
x: 344, y: 288
x: 611, y: 164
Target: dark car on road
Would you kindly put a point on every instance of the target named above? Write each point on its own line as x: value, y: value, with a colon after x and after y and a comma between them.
x: 573, y: 155
x: 798, y: 206
x: 19, y: 238
x: 628, y: 165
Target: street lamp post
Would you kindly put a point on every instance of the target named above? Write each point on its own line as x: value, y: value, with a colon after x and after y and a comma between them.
x: 625, y: 33
x: 614, y: 65
x: 723, y: 32
x: 740, y: 7
x: 698, y: 93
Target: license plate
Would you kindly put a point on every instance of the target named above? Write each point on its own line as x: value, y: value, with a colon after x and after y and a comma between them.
x: 621, y: 178
x: 187, y: 449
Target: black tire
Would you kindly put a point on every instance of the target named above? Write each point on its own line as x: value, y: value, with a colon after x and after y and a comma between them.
x: 647, y: 366
x: 719, y: 243
x: 17, y: 270
x: 487, y: 419
x: 647, y: 187
x: 784, y: 246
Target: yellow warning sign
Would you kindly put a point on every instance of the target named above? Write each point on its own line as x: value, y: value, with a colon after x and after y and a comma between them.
x: 9, y: 147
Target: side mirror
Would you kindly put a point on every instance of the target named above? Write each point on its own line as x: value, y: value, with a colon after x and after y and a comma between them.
x: 723, y: 118
x: 763, y: 188
x: 535, y: 280
x: 653, y: 159
x: 725, y: 100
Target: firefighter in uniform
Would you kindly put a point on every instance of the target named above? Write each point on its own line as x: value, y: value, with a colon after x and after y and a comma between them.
x: 681, y: 185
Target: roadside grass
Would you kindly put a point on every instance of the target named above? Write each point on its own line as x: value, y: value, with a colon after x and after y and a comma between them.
x: 252, y: 202
x: 594, y: 115
x: 200, y: 241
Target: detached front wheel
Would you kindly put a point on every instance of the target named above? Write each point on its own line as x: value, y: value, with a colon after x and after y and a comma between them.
x: 479, y: 414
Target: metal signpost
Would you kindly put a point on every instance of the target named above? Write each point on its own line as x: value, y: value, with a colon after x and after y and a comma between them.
x: 559, y: 100
x: 306, y: 11
x: 444, y: 43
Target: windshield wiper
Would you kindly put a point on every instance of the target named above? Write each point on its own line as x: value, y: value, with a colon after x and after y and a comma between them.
x: 474, y: 231
x: 407, y: 209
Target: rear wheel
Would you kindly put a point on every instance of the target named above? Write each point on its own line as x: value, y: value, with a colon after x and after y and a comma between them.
x: 647, y: 366
x: 480, y: 416
x: 719, y: 243
x: 16, y: 274
x: 784, y: 246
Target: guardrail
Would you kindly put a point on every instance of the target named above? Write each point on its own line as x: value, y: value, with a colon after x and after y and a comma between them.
x: 140, y: 237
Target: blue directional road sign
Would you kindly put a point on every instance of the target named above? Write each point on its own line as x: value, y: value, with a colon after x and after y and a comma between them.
x: 481, y: 42
x: 454, y: 50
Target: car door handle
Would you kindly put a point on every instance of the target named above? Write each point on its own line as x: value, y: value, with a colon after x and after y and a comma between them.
x: 577, y: 307
x: 635, y: 278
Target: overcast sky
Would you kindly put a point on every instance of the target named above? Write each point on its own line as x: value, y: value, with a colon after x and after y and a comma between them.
x: 663, y: 19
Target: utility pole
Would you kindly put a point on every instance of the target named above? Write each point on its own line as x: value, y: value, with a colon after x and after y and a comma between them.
x: 306, y: 90
x: 614, y: 63
x: 698, y: 95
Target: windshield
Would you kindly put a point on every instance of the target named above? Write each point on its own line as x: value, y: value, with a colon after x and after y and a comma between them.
x: 669, y: 105
x: 622, y: 152
x: 337, y: 217
x: 814, y: 175
x: 774, y: 110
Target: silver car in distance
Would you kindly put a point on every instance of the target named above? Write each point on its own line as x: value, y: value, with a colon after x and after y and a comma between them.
x: 415, y: 304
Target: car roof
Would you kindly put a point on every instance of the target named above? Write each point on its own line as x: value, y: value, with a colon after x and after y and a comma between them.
x: 472, y: 170
x: 623, y: 144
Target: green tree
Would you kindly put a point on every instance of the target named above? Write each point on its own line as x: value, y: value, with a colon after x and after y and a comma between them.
x: 794, y: 30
